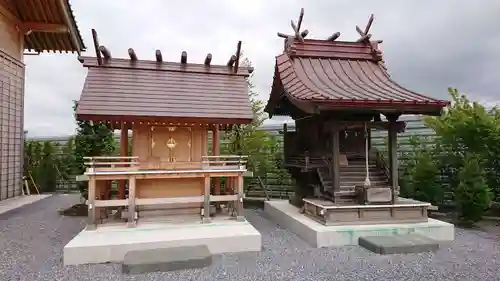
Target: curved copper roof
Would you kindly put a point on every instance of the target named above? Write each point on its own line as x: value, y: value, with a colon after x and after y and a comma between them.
x: 321, y: 74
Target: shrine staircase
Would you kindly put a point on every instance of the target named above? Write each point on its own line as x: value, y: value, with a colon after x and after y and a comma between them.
x: 354, y: 174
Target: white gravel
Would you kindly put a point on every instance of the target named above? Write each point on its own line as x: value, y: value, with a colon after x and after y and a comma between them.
x: 32, y: 239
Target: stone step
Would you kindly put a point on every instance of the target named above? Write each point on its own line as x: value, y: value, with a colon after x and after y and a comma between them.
x: 398, y: 244
x: 166, y: 259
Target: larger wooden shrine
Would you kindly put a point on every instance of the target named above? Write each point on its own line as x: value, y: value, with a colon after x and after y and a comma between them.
x: 33, y: 27
x: 170, y: 109
x: 337, y: 92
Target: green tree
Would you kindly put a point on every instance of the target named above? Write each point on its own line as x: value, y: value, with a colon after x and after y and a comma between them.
x: 468, y: 127
x: 472, y: 194
x: 92, y: 139
x: 420, y: 179
x: 47, y: 173
x: 246, y: 139
x: 66, y: 167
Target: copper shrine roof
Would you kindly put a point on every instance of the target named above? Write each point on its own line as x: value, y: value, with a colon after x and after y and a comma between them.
x: 328, y: 74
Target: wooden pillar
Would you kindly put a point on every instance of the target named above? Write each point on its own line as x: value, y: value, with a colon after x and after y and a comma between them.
x: 216, y: 152
x: 123, y: 153
x: 336, y: 160
x: 393, y: 157
x: 239, y: 187
x: 91, y: 224
x: 206, y: 201
x: 131, y: 201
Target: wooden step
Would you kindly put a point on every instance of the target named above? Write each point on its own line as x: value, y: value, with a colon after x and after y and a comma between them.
x: 374, y: 172
x: 362, y: 178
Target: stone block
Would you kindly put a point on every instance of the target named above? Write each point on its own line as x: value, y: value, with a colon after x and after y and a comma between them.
x: 374, y: 195
x: 166, y: 259
x: 378, y: 195
x: 398, y: 244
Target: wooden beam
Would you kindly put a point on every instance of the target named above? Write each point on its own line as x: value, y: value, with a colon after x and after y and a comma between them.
x: 123, y: 153
x: 63, y: 6
x: 131, y: 201
x: 206, y: 203
x: 216, y: 152
x: 91, y: 224
x: 238, y: 54
x: 364, y: 38
x: 159, y: 57
x: 184, y: 57
x: 10, y: 16
x: 298, y: 36
x: 223, y: 198
x: 105, y: 52
x: 393, y: 160
x: 360, y: 32
x: 283, y: 35
x: 304, y: 33
x: 111, y: 203
x: 231, y: 61
x: 301, y: 16
x: 132, y: 54
x: 335, y: 157
x: 96, y: 46
x: 169, y: 200
x: 44, y: 27
x: 334, y: 36
x: 208, y: 59
x: 240, y: 190
x: 369, y: 25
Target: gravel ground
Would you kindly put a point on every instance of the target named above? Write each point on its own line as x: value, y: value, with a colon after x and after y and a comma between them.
x: 32, y: 239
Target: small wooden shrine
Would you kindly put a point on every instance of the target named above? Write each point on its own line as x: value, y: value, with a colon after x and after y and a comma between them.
x: 337, y: 92
x: 171, y: 108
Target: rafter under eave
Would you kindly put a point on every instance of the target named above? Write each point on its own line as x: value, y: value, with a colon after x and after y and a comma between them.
x: 43, y: 27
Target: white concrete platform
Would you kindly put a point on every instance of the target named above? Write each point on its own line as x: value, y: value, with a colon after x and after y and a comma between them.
x: 110, y: 243
x: 319, y: 235
x: 19, y: 201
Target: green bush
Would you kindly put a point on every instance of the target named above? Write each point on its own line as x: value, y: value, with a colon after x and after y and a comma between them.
x: 426, y: 184
x: 468, y: 127
x: 92, y: 139
x: 472, y: 196
x: 420, y: 179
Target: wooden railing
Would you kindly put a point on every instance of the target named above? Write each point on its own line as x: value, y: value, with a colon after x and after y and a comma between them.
x: 112, y: 163
x: 131, y: 163
x: 381, y: 163
x: 224, y: 162
x: 306, y: 162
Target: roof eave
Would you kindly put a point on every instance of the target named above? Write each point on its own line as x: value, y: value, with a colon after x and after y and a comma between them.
x: 163, y: 120
x: 405, y: 107
x: 70, y: 21
x: 72, y: 40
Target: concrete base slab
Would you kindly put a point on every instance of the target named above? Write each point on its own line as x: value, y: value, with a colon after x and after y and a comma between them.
x: 319, y: 235
x: 10, y: 204
x: 169, y: 259
x: 399, y: 244
x: 110, y: 243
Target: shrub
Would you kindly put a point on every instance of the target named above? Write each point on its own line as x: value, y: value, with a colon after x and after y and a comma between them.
x: 472, y: 196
